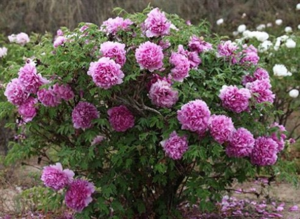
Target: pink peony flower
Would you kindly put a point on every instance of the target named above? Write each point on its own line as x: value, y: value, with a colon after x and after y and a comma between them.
x: 156, y: 24
x: 181, y: 66
x: 48, y: 97
x: 83, y: 114
x: 63, y: 91
x: 120, y: 118
x: 113, y: 25
x: 115, y: 51
x: 55, y: 177
x: 29, y: 78
x: 227, y: 50
x: 78, y: 195
x: 162, y: 94
x: 294, y: 208
x: 175, y: 146
x: 98, y: 139
x: 264, y: 152
x: 193, y: 57
x: 221, y: 128
x: 3, y: 52
x: 249, y: 55
x: 106, y: 73
x: 59, y: 32
x: 60, y: 40
x: 240, y: 144
x: 22, y: 38
x: 261, y: 90
x: 194, y: 116
x: 199, y: 45
x: 28, y: 110
x: 235, y: 99
x: 279, y: 137
x: 149, y: 56
x: 15, y: 92
x: 259, y: 74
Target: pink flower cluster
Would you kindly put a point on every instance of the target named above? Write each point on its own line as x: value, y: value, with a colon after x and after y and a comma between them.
x: 156, y: 24
x: 79, y: 191
x: 149, y: 56
x: 249, y: 55
x: 199, y: 45
x: 175, y: 146
x: 264, y: 151
x: 83, y: 114
x: 181, y: 66
x: 48, y: 97
x: 235, y: 99
x: 279, y: 136
x: 21, y: 38
x: 113, y: 25
x: 240, y: 144
x: 106, y: 73
x: 115, y: 51
x: 194, y: 116
x: 261, y: 90
x: 162, y: 94
x: 120, y: 118
x: 227, y: 49
x: 221, y: 128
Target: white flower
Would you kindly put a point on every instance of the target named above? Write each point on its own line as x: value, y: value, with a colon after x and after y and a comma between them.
x: 12, y: 38
x: 220, y: 21
x: 22, y: 38
x: 288, y: 29
x: 264, y: 46
x: 261, y: 27
x: 290, y: 43
x: 299, y: 27
x: 298, y: 6
x: 278, y: 22
x: 261, y: 36
x: 269, y: 25
x: 294, y: 93
x: 241, y: 28
x: 3, y: 52
x: 247, y: 34
x: 281, y: 71
x: 235, y: 33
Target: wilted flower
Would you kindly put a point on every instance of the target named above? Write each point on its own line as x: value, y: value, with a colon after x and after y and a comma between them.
x: 3, y: 52
x: 294, y: 93
x: 294, y: 208
x: 83, y: 115
x: 281, y: 71
x: 175, y: 146
x: 120, y: 118
x: 98, y: 139
x: 221, y: 128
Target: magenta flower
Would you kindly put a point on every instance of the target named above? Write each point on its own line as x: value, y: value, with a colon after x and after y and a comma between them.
x: 15, y: 92
x: 240, y: 144
x: 235, y: 99
x: 227, y: 50
x: 193, y: 57
x: 83, y: 115
x: 199, y: 45
x: 48, y: 97
x: 22, y: 38
x: 181, y: 66
x: 149, y: 56
x: 115, y: 51
x: 261, y: 90
x: 156, y: 24
x: 175, y: 146
x: 29, y: 78
x: 28, y: 110
x: 264, y: 152
x: 106, y: 73
x: 113, y: 25
x: 60, y: 40
x: 221, y: 128
x: 63, y: 91
x: 78, y: 195
x: 162, y: 94
x: 194, y: 116
x: 249, y: 55
x: 120, y: 118
x: 259, y: 74
x: 280, y: 140
x: 55, y: 177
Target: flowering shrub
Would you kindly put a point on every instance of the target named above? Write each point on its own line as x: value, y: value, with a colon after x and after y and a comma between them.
x: 158, y: 81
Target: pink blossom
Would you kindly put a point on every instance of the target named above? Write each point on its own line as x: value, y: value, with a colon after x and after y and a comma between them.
x: 199, y: 45
x: 149, y: 56
x: 259, y: 74
x: 29, y: 78
x: 115, y: 51
x: 78, y: 195
x: 249, y: 55
x: 15, y: 92
x: 97, y: 140
x: 235, y: 99
x: 193, y: 57
x: 164, y: 44
x: 106, y: 73
x: 83, y: 114
x: 155, y: 78
x: 181, y: 66
x: 3, y: 52
x: 194, y: 116
x: 48, y: 97
x: 221, y: 128
x: 55, y: 177
x: 59, y: 32
x: 240, y: 144
x: 120, y: 118
x: 156, y: 24
x: 63, y: 91
x: 261, y: 90
x: 227, y: 49
x: 175, y: 146
x: 28, y: 110
x: 264, y: 152
x: 294, y: 208
x: 113, y: 25
x: 60, y: 40
x: 279, y: 133
x: 162, y: 94
x: 22, y: 38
